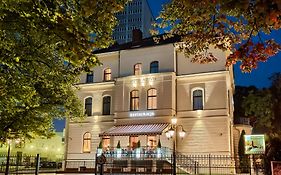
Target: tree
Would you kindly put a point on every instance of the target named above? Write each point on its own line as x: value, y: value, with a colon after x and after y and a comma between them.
x: 241, y: 92
x: 235, y: 25
x: 265, y: 107
x: 44, y: 46
x: 244, y: 161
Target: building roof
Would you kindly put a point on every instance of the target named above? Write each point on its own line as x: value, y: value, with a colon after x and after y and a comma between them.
x: 146, y: 42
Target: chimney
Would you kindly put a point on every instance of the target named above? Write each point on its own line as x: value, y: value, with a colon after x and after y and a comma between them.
x: 137, y: 35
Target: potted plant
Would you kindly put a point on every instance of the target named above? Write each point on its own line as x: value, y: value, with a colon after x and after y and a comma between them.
x: 138, y: 149
x: 100, y: 149
x: 158, y: 149
x: 118, y: 149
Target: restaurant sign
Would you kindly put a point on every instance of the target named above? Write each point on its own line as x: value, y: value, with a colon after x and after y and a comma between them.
x: 142, y: 114
x: 254, y: 144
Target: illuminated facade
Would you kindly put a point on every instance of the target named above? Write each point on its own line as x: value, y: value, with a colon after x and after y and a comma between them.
x: 137, y: 90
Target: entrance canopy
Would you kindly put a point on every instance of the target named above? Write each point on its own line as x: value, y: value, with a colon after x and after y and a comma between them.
x: 140, y: 129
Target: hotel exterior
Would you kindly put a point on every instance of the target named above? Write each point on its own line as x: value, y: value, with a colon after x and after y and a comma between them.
x: 132, y: 97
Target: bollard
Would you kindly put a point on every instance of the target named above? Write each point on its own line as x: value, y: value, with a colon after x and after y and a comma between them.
x: 37, y: 164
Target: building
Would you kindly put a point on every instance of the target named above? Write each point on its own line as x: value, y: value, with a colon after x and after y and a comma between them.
x: 136, y: 15
x: 137, y: 90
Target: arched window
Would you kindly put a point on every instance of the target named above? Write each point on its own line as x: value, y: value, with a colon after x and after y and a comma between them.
x: 106, y: 105
x: 197, y: 96
x: 152, y: 99
x: 90, y: 77
x: 107, y: 74
x: 137, y: 69
x: 87, y: 142
x: 154, y: 67
x: 134, y: 100
x: 88, y: 106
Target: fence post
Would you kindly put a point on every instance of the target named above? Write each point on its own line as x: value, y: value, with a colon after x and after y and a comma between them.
x: 8, y: 160
x: 37, y: 164
x: 210, y: 168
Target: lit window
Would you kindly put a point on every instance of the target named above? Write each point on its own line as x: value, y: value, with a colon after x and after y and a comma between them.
x: 134, y: 103
x: 197, y: 99
x: 151, y: 141
x: 106, y: 142
x: 154, y: 68
x: 107, y: 74
x: 133, y: 141
x: 106, y: 105
x: 152, y: 99
x: 87, y: 142
x: 137, y: 69
x: 90, y: 77
x: 88, y: 106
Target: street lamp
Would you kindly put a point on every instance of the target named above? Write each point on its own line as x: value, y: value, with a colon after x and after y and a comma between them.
x: 172, y: 133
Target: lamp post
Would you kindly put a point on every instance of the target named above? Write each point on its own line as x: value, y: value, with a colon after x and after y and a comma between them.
x: 172, y: 133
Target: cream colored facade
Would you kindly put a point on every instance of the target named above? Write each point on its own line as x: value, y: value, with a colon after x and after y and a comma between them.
x: 208, y: 131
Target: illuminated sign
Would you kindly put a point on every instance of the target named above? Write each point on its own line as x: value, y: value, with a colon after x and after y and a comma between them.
x: 254, y: 144
x: 142, y: 114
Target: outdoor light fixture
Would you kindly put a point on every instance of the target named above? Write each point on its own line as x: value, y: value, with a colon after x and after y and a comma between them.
x: 172, y: 133
x: 174, y: 120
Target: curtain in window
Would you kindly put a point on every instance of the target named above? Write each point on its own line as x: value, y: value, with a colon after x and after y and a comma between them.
x: 152, y: 99
x: 134, y: 102
x: 87, y: 142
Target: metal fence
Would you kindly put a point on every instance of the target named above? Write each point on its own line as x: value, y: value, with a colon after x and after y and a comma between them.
x: 19, y: 164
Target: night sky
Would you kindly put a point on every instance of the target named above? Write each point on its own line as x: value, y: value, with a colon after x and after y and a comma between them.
x: 258, y: 77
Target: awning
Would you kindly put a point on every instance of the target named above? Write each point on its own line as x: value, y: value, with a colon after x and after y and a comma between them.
x: 141, y: 129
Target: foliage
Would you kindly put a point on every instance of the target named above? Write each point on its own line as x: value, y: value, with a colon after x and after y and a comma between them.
x: 240, y: 93
x: 235, y: 25
x: 244, y: 161
x: 44, y: 46
x: 100, y: 145
x: 118, y: 144
x: 138, y: 144
x: 265, y: 107
x: 159, y: 144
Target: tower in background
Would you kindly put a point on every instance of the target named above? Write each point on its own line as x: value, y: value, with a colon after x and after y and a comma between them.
x: 136, y: 15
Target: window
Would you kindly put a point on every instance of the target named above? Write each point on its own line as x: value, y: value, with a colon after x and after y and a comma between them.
x: 151, y: 141
x: 106, y: 142
x: 90, y: 78
x: 88, y: 106
x: 152, y: 99
x: 107, y: 74
x: 87, y: 142
x: 137, y: 69
x: 133, y: 141
x: 134, y: 103
x: 106, y: 105
x: 197, y: 99
x: 154, y: 68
